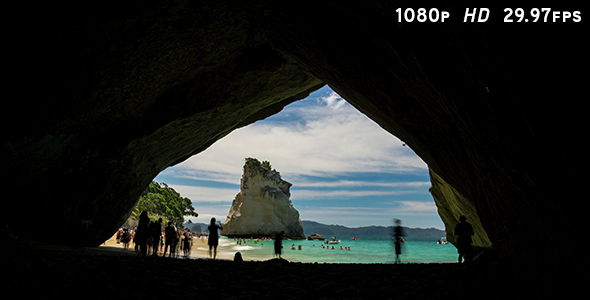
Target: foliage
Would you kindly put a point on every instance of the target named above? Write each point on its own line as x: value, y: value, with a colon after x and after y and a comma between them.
x: 253, y: 160
x: 265, y: 164
x: 163, y: 201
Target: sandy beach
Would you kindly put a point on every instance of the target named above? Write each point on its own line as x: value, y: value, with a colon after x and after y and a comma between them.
x: 200, y: 248
x: 40, y: 270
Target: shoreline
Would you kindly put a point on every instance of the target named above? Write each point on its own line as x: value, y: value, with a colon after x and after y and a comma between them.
x: 37, y: 269
x: 199, y: 250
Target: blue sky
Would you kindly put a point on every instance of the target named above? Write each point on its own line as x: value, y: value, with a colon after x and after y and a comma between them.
x: 344, y: 168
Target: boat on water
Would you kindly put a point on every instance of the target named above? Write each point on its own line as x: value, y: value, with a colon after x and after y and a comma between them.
x: 442, y: 241
x: 333, y: 241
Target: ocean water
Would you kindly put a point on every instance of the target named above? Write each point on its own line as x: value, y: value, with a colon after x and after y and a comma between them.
x: 363, y: 250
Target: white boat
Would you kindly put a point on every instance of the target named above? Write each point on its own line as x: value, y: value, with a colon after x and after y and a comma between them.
x: 442, y: 241
x: 333, y: 241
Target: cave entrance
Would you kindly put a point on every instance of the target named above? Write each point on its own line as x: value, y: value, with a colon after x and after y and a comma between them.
x: 344, y: 168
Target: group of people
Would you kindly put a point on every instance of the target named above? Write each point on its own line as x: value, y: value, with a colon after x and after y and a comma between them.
x: 328, y: 247
x: 240, y: 241
x: 149, y: 236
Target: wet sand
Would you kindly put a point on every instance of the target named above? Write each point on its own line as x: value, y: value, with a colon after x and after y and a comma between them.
x: 45, y: 271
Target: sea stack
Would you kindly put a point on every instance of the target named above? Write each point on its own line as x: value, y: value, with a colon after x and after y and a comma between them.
x: 262, y: 208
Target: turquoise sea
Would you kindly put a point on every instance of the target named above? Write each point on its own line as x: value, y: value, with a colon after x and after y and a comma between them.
x: 366, y: 250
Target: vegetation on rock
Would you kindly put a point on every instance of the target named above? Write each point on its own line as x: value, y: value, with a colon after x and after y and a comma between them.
x: 264, y: 164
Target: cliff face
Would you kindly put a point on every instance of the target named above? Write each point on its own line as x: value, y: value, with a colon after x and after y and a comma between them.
x: 115, y: 96
x: 451, y: 205
x: 262, y: 208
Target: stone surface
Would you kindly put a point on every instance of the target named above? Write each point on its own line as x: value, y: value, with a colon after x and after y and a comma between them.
x: 315, y: 237
x: 451, y: 205
x: 262, y: 208
x: 131, y: 92
x: 106, y: 100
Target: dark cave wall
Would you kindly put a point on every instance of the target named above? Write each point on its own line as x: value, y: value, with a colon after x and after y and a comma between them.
x: 135, y: 91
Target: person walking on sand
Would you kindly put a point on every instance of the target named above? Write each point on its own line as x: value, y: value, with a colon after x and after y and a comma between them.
x: 279, y: 243
x: 398, y: 239
x: 157, y: 232
x: 186, y: 247
x: 125, y: 238
x: 213, y: 237
x: 143, y: 233
x: 463, y: 231
x: 170, y: 235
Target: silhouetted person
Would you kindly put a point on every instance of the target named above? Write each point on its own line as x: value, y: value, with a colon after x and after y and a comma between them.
x: 125, y: 238
x: 398, y: 234
x: 186, y: 247
x: 213, y: 238
x: 175, y: 245
x: 238, y: 257
x: 156, y: 233
x: 143, y: 233
x: 279, y: 243
x: 463, y: 231
x: 170, y: 234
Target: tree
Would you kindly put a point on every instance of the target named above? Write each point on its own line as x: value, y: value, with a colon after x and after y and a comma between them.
x: 162, y: 200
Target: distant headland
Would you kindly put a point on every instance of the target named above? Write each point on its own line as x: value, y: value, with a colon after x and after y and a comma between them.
x: 311, y: 227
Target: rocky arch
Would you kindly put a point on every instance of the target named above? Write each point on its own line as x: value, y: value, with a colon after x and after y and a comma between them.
x: 127, y: 91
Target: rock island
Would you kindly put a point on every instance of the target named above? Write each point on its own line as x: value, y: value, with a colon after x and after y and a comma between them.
x: 263, y: 207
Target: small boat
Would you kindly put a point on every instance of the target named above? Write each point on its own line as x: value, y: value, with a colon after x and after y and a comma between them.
x: 333, y: 241
x: 353, y: 238
x: 442, y: 241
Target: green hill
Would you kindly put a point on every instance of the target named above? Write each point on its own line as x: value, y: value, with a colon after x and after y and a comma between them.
x: 311, y: 227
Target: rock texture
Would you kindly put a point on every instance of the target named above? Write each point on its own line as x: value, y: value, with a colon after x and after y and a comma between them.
x: 315, y: 237
x: 262, y: 208
x: 451, y: 205
x: 127, y: 93
x: 104, y: 99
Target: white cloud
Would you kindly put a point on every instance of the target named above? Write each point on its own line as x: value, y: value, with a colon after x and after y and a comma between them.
x: 206, y: 194
x: 331, y: 139
x: 195, y: 174
x: 344, y: 211
x: 341, y: 194
x: 416, y: 206
x: 218, y: 212
x: 355, y: 183
x: 334, y: 101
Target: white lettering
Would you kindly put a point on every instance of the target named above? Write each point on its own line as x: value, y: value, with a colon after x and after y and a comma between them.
x: 487, y: 15
x: 468, y: 14
x: 484, y: 14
